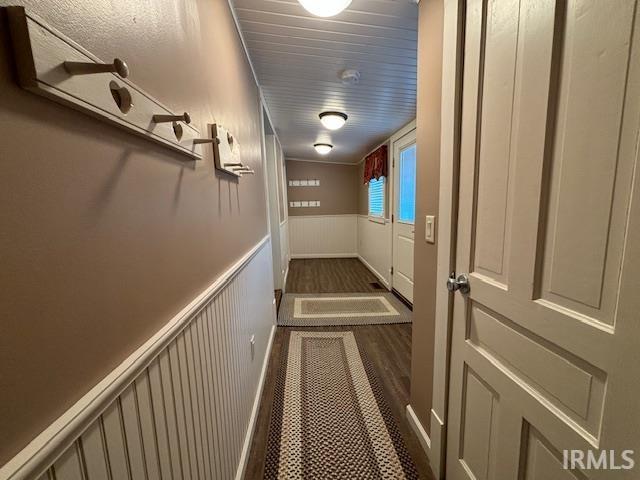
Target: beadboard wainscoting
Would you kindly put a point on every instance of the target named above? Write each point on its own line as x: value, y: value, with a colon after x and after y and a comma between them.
x: 374, y: 247
x: 183, y: 405
x: 323, y: 236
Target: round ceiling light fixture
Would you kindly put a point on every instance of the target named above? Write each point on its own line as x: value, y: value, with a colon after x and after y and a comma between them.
x: 333, y: 120
x: 325, y: 8
x: 323, y: 148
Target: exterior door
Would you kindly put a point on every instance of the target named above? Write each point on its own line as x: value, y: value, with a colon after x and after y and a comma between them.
x: 404, y: 213
x: 545, y: 352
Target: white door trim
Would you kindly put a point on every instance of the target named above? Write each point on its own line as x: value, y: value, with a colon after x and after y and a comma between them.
x: 449, y: 164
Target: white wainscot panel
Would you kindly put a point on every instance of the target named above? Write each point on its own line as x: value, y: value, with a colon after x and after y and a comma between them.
x: 319, y: 236
x: 374, y: 247
x: 183, y: 405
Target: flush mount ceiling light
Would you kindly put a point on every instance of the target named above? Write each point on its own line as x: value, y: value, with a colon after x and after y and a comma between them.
x: 325, y: 8
x: 333, y: 120
x: 323, y: 148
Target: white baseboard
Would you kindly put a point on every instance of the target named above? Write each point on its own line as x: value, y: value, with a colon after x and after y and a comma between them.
x: 437, y: 451
x: 419, y: 430
x: 375, y: 272
x: 248, y: 439
x: 324, y: 255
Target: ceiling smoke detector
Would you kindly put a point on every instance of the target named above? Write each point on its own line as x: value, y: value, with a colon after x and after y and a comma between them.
x: 350, y: 77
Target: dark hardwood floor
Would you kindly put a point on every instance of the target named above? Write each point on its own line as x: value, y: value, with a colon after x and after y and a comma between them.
x: 329, y: 275
x: 388, y: 347
x: 278, y: 295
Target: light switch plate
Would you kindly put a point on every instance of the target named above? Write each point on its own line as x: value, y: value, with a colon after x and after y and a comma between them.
x: 430, y: 229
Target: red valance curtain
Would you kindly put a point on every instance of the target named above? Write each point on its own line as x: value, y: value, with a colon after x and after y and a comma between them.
x: 375, y: 164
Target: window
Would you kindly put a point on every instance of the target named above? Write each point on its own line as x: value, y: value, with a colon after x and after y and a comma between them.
x: 407, y: 193
x: 376, y: 197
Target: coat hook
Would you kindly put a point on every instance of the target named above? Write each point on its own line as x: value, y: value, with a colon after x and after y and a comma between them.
x: 243, y: 170
x: 205, y: 140
x: 172, y: 118
x: 83, y: 68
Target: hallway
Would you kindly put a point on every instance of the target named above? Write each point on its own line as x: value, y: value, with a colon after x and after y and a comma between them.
x: 319, y: 239
x: 387, y: 349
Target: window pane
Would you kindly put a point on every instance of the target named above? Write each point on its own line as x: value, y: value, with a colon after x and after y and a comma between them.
x: 407, y: 194
x: 376, y: 197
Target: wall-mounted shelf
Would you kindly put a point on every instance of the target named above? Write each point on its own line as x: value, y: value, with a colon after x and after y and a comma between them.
x: 226, y: 152
x: 92, y: 86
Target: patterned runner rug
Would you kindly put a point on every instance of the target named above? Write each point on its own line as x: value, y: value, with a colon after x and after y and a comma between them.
x: 333, y: 309
x: 329, y: 417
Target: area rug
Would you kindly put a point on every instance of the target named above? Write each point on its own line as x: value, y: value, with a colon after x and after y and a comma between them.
x: 329, y: 418
x: 333, y: 309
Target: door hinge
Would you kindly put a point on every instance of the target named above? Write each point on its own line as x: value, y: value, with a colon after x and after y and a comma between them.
x: 391, y: 270
x: 392, y: 218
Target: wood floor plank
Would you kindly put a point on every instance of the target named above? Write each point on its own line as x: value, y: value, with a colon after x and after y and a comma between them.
x: 329, y: 275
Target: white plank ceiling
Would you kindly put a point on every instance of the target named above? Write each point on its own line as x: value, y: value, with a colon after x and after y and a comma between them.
x: 299, y: 58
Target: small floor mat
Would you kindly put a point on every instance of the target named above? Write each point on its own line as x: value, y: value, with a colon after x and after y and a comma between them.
x: 334, y: 309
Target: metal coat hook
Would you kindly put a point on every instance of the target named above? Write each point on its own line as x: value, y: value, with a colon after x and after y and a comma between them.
x: 86, y: 68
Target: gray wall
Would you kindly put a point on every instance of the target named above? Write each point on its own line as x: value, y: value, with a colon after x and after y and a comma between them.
x: 337, y: 192
x: 431, y: 19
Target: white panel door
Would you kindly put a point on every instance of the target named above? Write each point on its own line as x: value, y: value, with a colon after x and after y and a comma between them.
x: 404, y: 213
x: 545, y: 345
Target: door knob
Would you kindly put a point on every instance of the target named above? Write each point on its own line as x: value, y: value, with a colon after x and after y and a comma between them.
x: 461, y: 282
